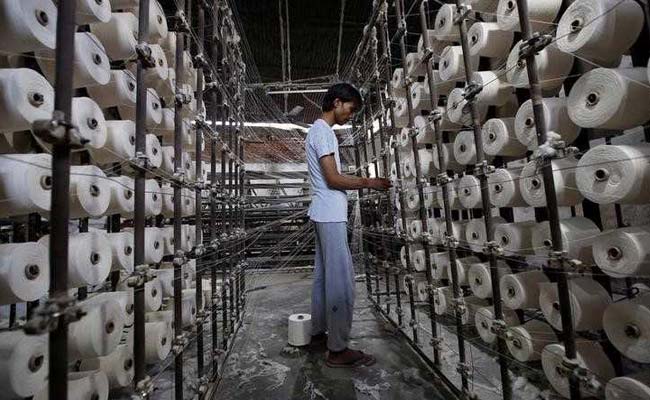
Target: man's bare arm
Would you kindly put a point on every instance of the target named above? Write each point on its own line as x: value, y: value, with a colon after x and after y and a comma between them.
x: 335, y: 180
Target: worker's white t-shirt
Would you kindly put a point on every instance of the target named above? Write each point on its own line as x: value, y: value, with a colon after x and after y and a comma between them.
x: 327, y: 205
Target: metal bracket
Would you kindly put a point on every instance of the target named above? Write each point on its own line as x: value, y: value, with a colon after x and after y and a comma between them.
x: 140, y: 161
x: 181, y: 99
x: 483, y: 168
x: 464, y: 369
x: 47, y: 316
x: 471, y: 91
x: 199, y: 250
x: 499, y: 327
x: 143, y: 388
x: 180, y: 341
x: 180, y: 258
x: 181, y: 23
x: 535, y: 44
x: 459, y: 305
x: 141, y: 274
x: 199, y: 61
x: 443, y: 179
x: 145, y: 55
x: 449, y: 241
x: 54, y: 130
x: 436, y: 342
x: 461, y: 13
x: 492, y: 247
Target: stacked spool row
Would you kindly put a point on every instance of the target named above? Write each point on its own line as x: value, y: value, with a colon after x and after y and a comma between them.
x: 103, y: 111
x: 608, y: 97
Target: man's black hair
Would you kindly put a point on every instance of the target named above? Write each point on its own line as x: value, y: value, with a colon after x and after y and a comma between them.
x: 344, y: 92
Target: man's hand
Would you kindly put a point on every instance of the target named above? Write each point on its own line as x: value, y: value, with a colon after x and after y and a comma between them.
x: 379, y: 184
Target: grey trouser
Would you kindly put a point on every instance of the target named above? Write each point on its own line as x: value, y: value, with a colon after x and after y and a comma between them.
x: 332, y: 297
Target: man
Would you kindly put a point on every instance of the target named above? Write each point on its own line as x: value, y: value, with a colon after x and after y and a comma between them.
x: 332, y: 300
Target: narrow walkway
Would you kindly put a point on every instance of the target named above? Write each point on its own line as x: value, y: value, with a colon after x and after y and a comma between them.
x: 263, y: 366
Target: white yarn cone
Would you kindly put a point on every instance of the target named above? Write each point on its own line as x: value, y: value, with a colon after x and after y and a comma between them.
x: 415, y: 228
x: 420, y: 98
x: 454, y: 203
x: 527, y: 341
x: 27, y: 25
x: 397, y: 83
x: 600, y: 31
x: 615, y: 174
x: 24, y: 272
x: 590, y: 355
x: 541, y: 14
x: 475, y: 233
x: 119, y: 91
x: 441, y: 87
x: 469, y: 191
x: 89, y: 258
x: 122, y: 244
x: 483, y: 6
x: 627, y: 326
x: 465, y: 148
x: 154, y: 245
x: 167, y: 164
x: 119, y: 145
x: 442, y: 299
x: 98, y: 333
x: 168, y: 44
x: 159, y: 344
x: 119, y: 35
x: 588, y: 301
x: 25, y: 96
x: 484, y: 322
x: 160, y: 72
x: 635, y: 386
x: 452, y: 64
x: 578, y: 234
x: 624, y: 252
x: 118, y: 367
x: 90, y: 191
x: 515, y: 238
x: 610, y: 98
x: 153, y: 295
x: 23, y: 365
x: 462, y: 268
x: 448, y: 160
x: 458, y: 109
x: 91, y: 67
x: 499, y: 138
x: 414, y: 66
x: 92, y: 11
x: 25, y: 184
x: 154, y: 110
x: 424, y: 130
x: 556, y: 117
x: 122, y: 190
x: 439, y: 263
x: 89, y: 121
x: 157, y: 22
x: 552, y: 65
x: 531, y: 183
x: 445, y: 27
x: 480, y: 280
x: 123, y: 298
x: 496, y: 90
x: 166, y: 88
x: 153, y: 198
x: 521, y: 290
x: 154, y: 150
x: 401, y: 113
x: 486, y: 39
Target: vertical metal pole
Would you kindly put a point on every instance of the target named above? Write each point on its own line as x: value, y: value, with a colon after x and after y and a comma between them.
x: 198, y: 160
x: 357, y: 164
x: 383, y: 35
x: 139, y: 199
x: 224, y: 278
x: 482, y: 167
x: 557, y: 262
x: 179, y: 255
x: 58, y: 338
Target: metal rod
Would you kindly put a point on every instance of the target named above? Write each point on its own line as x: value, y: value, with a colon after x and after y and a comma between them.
x: 58, y: 255
x: 383, y: 35
x: 198, y: 161
x: 481, y: 163
x: 551, y: 203
x: 179, y: 255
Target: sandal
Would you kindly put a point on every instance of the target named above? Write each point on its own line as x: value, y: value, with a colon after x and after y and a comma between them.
x: 349, y: 359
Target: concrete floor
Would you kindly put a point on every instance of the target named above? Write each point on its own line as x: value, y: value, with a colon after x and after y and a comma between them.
x: 262, y: 365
